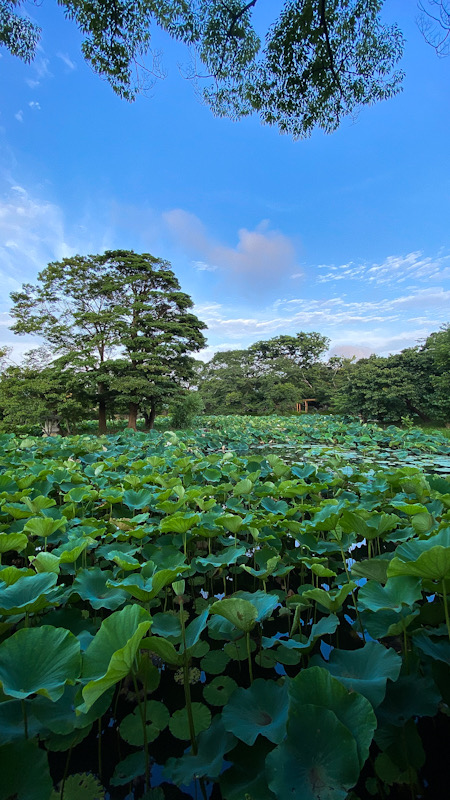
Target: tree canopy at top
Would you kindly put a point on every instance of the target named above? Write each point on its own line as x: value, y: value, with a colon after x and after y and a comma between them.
x: 321, y: 59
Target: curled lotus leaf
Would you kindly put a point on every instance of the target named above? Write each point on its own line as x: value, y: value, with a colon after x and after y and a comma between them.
x: 241, y: 613
x: 110, y: 655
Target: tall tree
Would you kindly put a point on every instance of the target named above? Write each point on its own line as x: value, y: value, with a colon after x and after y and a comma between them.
x: 119, y: 316
x: 322, y: 59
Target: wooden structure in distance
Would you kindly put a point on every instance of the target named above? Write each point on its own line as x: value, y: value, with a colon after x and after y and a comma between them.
x: 305, y: 410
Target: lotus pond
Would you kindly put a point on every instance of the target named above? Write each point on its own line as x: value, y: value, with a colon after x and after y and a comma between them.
x: 192, y: 616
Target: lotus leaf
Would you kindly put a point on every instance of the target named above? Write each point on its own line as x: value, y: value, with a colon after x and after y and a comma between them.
x: 261, y: 709
x: 22, y: 673
x: 28, y: 593
x: 157, y: 718
x: 179, y: 723
x: 332, y: 601
x: 131, y: 767
x: 111, y: 654
x: 397, y: 593
x: 24, y: 783
x: 365, y: 670
x: 218, y: 692
x: 212, y: 743
x: 91, y: 585
x: 241, y: 613
x: 317, y: 687
x: 214, y: 662
x: 246, y: 777
x: 12, y: 541
x: 309, y: 765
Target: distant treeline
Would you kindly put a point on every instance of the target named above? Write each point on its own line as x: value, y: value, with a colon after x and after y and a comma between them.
x: 271, y: 376
x: 274, y: 375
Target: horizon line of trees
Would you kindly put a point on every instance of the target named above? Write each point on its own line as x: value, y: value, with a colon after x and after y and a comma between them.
x: 129, y: 356
x: 273, y: 376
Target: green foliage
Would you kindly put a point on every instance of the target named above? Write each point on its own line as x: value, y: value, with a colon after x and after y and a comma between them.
x: 320, y: 62
x: 184, y: 409
x: 177, y: 566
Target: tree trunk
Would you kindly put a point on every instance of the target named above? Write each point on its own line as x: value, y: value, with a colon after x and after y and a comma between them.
x: 150, y: 418
x: 132, y: 415
x: 101, y: 408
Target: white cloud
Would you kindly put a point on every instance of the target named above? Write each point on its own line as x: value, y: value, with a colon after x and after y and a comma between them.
x: 67, y: 61
x: 19, y: 116
x: 260, y: 257
x: 392, y: 271
x: 34, y: 104
x: 31, y: 83
x: 201, y: 266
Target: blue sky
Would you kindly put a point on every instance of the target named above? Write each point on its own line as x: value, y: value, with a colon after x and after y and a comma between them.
x: 347, y: 234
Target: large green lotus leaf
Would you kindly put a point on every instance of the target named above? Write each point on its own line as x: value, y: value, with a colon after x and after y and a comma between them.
x: 317, y: 761
x: 237, y: 650
x: 11, y: 720
x: 60, y: 717
x: 39, y: 661
x: 179, y: 523
x: 365, y: 670
x: 274, y: 506
x: 438, y: 651
x: 145, y: 589
x: 12, y: 541
x: 229, y: 556
x: 9, y: 575
x: 367, y: 524
x: 80, y: 493
x: 372, y: 569
x: 261, y: 709
x: 246, y: 777
x: 91, y: 585
x: 243, y: 487
x: 195, y: 629
x: 412, y: 550
x: 58, y: 743
x: 29, y: 593
x: 219, y: 691
x: 179, y: 723
x: 231, y: 522
x: 315, y: 685
x: 264, y: 603
x: 212, y: 744
x: 434, y: 565
x: 111, y: 654
x: 139, y: 499
x: 125, y: 561
x: 332, y: 601
x: 166, y: 624
x: 45, y: 562
x: 163, y: 648
x: 157, y: 718
x: 39, y: 503
x: 386, y: 622
x: 398, y: 592
x: 241, y: 613
x: 44, y: 526
x: 71, y: 550
x: 24, y: 772
x: 410, y: 696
